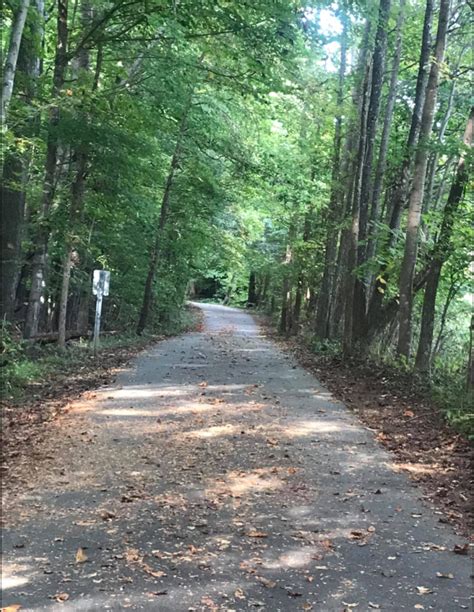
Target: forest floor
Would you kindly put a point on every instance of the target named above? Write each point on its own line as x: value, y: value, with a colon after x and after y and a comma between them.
x: 405, y: 421
x: 214, y: 474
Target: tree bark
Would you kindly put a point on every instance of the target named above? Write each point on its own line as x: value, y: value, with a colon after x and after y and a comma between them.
x: 416, y: 195
x: 9, y: 69
x: 252, y: 290
x: 164, y: 211
x: 15, y: 175
x: 398, y: 193
x: 334, y: 213
x: 376, y: 82
x: 77, y: 187
x: 384, y: 140
x: 442, y: 251
x: 354, y: 207
x: 42, y: 235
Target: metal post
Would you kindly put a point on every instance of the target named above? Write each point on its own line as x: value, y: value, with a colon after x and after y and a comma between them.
x: 98, y: 310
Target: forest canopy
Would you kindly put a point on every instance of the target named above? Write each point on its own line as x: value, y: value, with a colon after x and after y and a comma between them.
x: 310, y: 159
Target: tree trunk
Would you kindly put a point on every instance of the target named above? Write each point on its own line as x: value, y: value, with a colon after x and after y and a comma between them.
x: 401, y: 184
x: 442, y: 251
x: 470, y: 360
x: 353, y: 232
x: 398, y: 193
x: 286, y: 288
x: 454, y: 288
x: 42, y: 235
x: 9, y: 69
x: 296, y: 314
x: 164, y: 211
x: 15, y: 175
x: 334, y: 213
x: 78, y: 185
x: 13, y: 207
x: 384, y: 140
x: 416, y: 195
x: 252, y: 290
x: 376, y: 82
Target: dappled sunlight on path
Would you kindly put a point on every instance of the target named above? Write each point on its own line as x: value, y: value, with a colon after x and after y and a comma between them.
x: 216, y: 475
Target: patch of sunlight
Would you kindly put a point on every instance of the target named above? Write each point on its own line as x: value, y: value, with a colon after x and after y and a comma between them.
x: 10, y: 578
x: 418, y: 468
x: 239, y: 483
x: 308, y: 428
x: 213, y: 432
x: 298, y: 557
x: 142, y: 392
x: 128, y: 412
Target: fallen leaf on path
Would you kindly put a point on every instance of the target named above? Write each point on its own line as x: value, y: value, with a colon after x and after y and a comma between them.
x: 61, y: 597
x: 423, y: 590
x: 11, y: 608
x: 461, y: 549
x: 270, y: 584
x: 107, y: 515
x: 239, y: 594
x: 81, y: 556
x: 441, y: 575
x: 272, y: 442
x: 326, y: 544
x: 209, y: 603
x: 151, y: 572
x: 257, y: 534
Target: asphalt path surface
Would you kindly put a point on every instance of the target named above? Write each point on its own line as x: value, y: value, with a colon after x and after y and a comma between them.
x: 216, y: 474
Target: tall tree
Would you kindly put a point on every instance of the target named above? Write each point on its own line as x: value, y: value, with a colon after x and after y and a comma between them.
x: 441, y: 252
x: 416, y: 195
x: 9, y: 69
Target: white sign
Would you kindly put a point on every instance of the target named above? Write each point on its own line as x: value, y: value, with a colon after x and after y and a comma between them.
x: 101, y: 282
x: 100, y: 288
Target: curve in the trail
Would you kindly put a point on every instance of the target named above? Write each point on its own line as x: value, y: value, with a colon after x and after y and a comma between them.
x: 216, y: 474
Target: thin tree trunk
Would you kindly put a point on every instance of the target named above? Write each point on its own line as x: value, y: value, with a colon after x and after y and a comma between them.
x: 296, y: 314
x: 78, y: 185
x: 454, y: 288
x: 286, y: 288
x: 353, y: 232
x: 9, y: 69
x: 164, y: 211
x: 376, y: 82
x: 42, y: 236
x: 470, y: 360
x: 416, y: 195
x: 401, y: 184
x: 385, y: 138
x: 334, y: 213
x: 442, y: 251
x: 15, y: 173
x: 398, y: 193
x: 252, y: 290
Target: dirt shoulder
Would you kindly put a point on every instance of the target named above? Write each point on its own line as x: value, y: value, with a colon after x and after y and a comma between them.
x: 433, y: 454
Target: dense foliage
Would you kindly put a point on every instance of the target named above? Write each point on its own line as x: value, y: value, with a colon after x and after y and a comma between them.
x: 307, y: 158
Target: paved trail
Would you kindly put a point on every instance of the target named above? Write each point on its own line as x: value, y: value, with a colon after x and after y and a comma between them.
x: 217, y: 475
